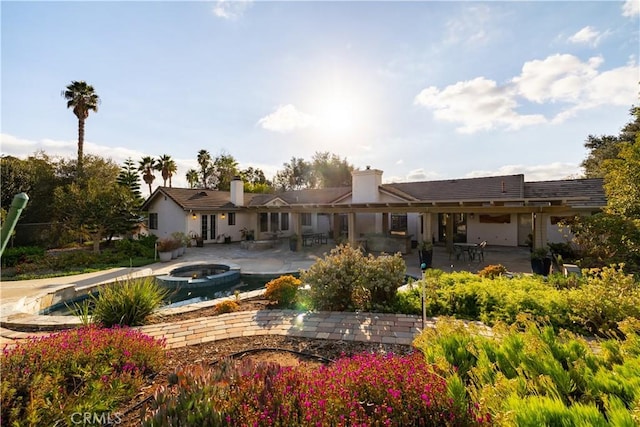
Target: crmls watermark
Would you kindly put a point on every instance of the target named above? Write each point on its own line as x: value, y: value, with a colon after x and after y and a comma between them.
x: 91, y: 419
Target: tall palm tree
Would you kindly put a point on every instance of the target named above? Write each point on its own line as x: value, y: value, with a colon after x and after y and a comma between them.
x: 204, y: 160
x: 167, y: 167
x: 147, y: 166
x: 192, y: 178
x: 172, y: 169
x: 82, y: 98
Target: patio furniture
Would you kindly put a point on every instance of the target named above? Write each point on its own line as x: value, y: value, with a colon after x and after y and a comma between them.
x: 460, y: 249
x: 479, y: 251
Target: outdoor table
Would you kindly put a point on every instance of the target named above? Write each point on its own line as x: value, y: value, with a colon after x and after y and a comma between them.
x: 469, y: 248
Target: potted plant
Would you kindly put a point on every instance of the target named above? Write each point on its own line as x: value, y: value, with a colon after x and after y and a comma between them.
x: 247, y: 234
x: 165, y: 249
x: 540, y: 261
x: 425, y: 253
x: 293, y: 242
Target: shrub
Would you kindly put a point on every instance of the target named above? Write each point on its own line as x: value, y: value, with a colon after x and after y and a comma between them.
x: 608, y: 296
x: 46, y: 379
x: 345, y: 279
x: 492, y: 271
x: 283, y: 290
x: 527, y: 374
x: 14, y: 256
x: 366, y: 389
x: 128, y: 302
x: 133, y: 248
x: 228, y: 306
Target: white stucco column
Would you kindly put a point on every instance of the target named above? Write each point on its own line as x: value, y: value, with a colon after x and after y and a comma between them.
x: 296, y: 220
x: 540, y: 230
x: 351, y: 225
x: 427, y: 227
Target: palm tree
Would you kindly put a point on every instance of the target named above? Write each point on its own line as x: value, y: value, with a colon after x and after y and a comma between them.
x: 172, y: 168
x: 82, y: 97
x: 204, y: 160
x: 192, y: 178
x: 167, y: 166
x: 147, y: 165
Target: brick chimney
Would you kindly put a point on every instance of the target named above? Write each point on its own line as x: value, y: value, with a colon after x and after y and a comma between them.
x: 237, y: 191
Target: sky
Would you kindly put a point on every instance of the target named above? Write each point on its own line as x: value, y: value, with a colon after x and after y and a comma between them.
x: 422, y: 90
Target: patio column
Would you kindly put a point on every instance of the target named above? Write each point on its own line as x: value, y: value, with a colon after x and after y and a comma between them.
x: 385, y: 223
x: 297, y: 228
x: 351, y: 226
x: 449, y: 231
x: 539, y: 230
x: 427, y: 232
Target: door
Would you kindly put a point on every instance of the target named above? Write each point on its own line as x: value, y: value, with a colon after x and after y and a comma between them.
x: 525, y: 229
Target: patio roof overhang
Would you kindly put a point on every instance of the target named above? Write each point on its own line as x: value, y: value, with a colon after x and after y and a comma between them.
x: 440, y: 206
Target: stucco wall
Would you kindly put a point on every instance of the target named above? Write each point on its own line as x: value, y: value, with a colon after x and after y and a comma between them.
x: 170, y: 218
x: 494, y: 234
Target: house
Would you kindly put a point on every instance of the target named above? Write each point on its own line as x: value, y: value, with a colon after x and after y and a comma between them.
x: 502, y: 210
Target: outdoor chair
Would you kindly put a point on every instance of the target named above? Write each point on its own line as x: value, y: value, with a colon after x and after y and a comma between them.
x: 480, y: 251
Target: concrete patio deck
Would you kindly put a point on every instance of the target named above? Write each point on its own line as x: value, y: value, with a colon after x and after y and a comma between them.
x: 387, y: 328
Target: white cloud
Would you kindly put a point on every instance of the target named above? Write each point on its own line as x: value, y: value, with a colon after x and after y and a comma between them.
x: 631, y: 8
x: 231, y: 9
x: 286, y: 118
x: 551, y: 171
x: 478, y: 104
x: 556, y: 78
x: 589, y: 36
x: 481, y: 104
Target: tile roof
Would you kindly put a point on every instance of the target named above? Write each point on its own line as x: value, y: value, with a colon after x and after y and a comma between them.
x: 306, y: 196
x: 591, y: 190
x: 198, y: 198
x: 576, y: 192
x: 485, y: 188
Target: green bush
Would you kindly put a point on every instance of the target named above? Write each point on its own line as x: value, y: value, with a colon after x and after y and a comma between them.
x: 283, y: 290
x: 45, y: 380
x: 608, y: 296
x: 346, y: 279
x: 14, y: 256
x: 128, y: 302
x: 469, y: 296
x: 133, y: 248
x: 527, y: 374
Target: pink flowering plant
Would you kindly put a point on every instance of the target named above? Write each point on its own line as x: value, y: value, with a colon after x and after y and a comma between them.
x: 46, y: 379
x: 363, y: 390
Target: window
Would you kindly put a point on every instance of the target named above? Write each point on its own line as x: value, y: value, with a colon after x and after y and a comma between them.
x: 274, y: 221
x: 204, y: 226
x: 398, y: 222
x: 306, y: 219
x: 264, y: 222
x: 284, y: 221
x: 212, y: 221
x: 153, y: 221
x: 232, y: 218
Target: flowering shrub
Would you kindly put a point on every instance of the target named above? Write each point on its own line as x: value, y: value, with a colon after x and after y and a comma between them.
x: 492, y: 271
x: 228, y: 306
x: 46, y: 379
x: 364, y: 390
x: 283, y: 290
x: 346, y: 279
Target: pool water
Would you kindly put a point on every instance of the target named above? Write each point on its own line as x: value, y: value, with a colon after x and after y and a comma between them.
x: 179, y: 297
